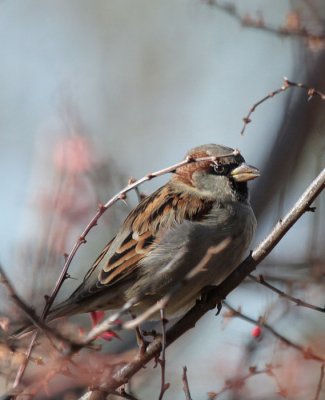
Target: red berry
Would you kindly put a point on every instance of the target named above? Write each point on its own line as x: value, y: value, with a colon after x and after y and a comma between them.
x: 256, y: 331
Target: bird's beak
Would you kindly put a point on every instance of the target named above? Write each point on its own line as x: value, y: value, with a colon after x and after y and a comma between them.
x: 244, y: 173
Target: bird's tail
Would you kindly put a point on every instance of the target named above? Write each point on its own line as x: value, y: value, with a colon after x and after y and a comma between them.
x: 64, y: 309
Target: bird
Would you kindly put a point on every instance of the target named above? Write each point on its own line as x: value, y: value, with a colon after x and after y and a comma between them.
x: 204, y: 204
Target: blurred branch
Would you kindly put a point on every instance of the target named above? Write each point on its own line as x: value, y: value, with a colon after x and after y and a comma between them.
x: 307, y: 353
x: 238, y: 382
x: 320, y: 382
x: 28, y: 311
x: 162, y: 359
x: 292, y: 28
x: 295, y: 300
x: 186, y: 388
x: 296, y: 130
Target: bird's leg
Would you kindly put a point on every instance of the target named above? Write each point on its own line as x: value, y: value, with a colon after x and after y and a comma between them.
x: 162, y: 359
x: 142, y: 343
x: 219, y: 308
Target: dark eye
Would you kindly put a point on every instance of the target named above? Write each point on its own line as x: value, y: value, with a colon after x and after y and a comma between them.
x: 219, y: 169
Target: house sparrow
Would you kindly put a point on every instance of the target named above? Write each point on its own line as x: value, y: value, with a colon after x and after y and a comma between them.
x: 202, y: 204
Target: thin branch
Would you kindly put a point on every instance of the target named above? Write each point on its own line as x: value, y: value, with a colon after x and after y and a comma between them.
x: 247, y: 119
x: 287, y: 30
x: 295, y: 300
x: 311, y: 92
x: 49, y: 332
x: 307, y: 353
x: 239, y: 382
x: 320, y: 382
x: 29, y: 312
x: 186, y: 387
x: 162, y: 359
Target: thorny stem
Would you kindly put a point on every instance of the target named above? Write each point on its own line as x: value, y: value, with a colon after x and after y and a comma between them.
x: 306, y: 352
x: 260, y: 279
x: 162, y: 359
x: 239, y: 381
x: 311, y: 92
x: 259, y: 23
x: 186, y: 387
x: 320, y: 382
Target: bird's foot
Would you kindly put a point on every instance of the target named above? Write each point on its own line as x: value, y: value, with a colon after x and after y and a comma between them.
x: 142, y: 343
x: 209, y: 299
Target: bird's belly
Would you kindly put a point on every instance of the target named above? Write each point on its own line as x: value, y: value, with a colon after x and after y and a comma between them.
x: 208, y: 255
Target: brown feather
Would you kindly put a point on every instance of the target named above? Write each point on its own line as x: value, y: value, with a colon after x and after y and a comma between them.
x: 143, y: 224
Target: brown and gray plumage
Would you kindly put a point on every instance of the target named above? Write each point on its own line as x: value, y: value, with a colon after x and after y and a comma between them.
x: 203, y: 204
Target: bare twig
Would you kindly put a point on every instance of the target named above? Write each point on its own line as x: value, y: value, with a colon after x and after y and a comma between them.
x: 288, y: 30
x: 311, y: 92
x: 34, y: 319
x: 30, y: 313
x: 162, y: 359
x: 23, y: 366
x: 124, y: 395
x: 320, y: 382
x: 307, y: 353
x: 247, y: 119
x: 186, y: 387
x: 238, y: 382
x: 260, y: 279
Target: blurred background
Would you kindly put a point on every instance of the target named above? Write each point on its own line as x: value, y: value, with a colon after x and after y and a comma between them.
x: 95, y: 92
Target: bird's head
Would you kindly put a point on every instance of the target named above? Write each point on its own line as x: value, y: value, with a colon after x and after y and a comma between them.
x: 224, y: 176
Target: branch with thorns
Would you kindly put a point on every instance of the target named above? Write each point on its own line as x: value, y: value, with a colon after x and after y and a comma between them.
x: 186, y: 387
x: 260, y: 279
x: 311, y: 92
x: 292, y: 28
x: 239, y: 382
x: 307, y: 353
x: 320, y: 383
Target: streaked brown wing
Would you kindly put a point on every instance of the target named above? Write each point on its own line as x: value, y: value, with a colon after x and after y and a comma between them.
x: 143, y: 229
x: 141, y: 237
x: 98, y: 260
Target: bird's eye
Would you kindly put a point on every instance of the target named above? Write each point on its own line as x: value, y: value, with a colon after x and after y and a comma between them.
x: 219, y: 169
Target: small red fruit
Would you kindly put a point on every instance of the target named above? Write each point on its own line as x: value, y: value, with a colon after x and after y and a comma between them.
x: 256, y: 331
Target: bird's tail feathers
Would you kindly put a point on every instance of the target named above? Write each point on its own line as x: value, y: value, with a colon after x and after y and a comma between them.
x: 64, y: 309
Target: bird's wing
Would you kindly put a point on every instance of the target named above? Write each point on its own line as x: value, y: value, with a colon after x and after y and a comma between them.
x: 141, y: 232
